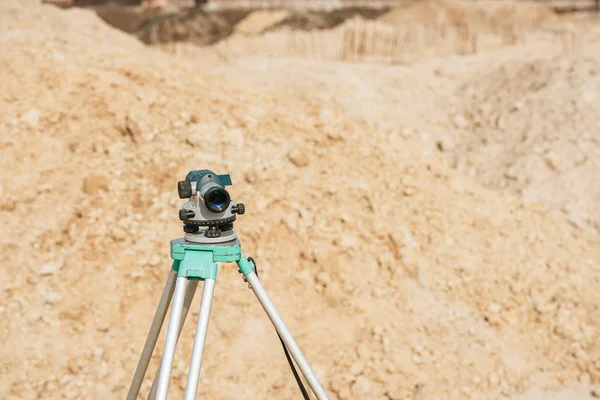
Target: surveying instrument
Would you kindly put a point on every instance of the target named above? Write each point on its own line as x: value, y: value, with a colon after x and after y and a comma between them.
x: 209, y: 239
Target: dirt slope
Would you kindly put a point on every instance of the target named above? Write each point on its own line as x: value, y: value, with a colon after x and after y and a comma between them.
x: 535, y: 131
x: 398, y: 277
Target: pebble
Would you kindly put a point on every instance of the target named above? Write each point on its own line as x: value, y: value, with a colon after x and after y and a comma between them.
x: 493, y: 379
x: 323, y: 278
x: 98, y: 352
x: 50, y: 268
x: 53, y: 298
x: 418, y: 349
x: 334, y: 134
x: 460, y: 121
x: 32, y: 117
x: 154, y: 260
x: 95, y: 183
x: 361, y: 388
x: 356, y: 368
x: 200, y: 134
x: 494, y: 308
x: 136, y: 127
x: 298, y: 158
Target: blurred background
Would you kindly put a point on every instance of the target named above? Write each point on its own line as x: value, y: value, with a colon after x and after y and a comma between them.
x: 420, y: 179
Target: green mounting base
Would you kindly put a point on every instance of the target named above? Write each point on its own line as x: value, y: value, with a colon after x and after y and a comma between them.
x: 200, y: 261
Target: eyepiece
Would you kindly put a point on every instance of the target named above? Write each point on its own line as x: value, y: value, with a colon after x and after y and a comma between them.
x: 184, y: 188
x: 217, y: 199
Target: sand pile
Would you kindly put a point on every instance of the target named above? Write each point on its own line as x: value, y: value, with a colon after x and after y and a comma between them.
x: 259, y: 21
x: 444, y: 27
x: 406, y: 35
x: 475, y: 15
x: 535, y: 125
x: 434, y: 12
x: 190, y: 25
x: 398, y: 277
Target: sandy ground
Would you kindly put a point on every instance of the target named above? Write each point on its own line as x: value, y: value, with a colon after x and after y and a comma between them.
x: 400, y: 277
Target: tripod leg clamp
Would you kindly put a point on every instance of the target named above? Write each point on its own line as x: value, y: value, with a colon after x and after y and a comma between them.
x: 197, y: 265
x: 246, y: 265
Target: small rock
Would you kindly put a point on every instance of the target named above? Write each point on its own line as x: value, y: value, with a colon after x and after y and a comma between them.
x: 118, y: 234
x: 298, y: 158
x: 334, y: 134
x: 32, y: 117
x: 185, y: 117
x: 500, y: 123
x: 460, y: 121
x: 137, y: 273
x: 322, y: 278
x: 409, y: 191
x: 154, y: 260
x: 94, y: 183
x: 50, y: 268
x: 53, y: 298
x: 361, y: 388
x: 378, y: 330
x: 493, y: 379
x: 356, y: 368
x: 198, y: 134
x: 457, y: 186
x: 98, y: 352
x: 136, y: 127
x: 58, y: 56
x: 516, y: 106
x: 494, y: 308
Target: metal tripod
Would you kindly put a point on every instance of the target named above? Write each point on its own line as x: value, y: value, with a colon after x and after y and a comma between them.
x: 193, y: 262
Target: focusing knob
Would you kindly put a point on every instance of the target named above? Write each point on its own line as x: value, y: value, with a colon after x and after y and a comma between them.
x: 186, y: 214
x: 238, y: 209
x: 184, y: 188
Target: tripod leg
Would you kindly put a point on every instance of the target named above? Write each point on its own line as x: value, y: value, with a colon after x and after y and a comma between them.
x: 189, y: 296
x: 172, y: 335
x: 200, y: 339
x: 286, y: 336
x: 157, y: 322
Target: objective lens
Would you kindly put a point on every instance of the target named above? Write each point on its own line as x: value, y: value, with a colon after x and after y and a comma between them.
x: 217, y: 200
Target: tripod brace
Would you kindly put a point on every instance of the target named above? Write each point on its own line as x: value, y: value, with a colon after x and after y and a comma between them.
x: 193, y: 262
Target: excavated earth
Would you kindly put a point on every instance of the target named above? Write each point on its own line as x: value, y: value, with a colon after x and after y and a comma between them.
x: 399, y: 276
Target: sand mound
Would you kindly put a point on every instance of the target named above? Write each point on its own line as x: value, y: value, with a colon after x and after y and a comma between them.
x: 520, y: 14
x: 446, y: 27
x: 259, y: 21
x: 482, y: 15
x: 399, y: 277
x: 190, y: 25
x: 535, y: 128
x: 449, y: 12
x: 405, y: 35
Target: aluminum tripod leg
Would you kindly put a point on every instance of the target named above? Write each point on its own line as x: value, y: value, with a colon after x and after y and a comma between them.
x: 286, y: 336
x: 189, y: 297
x: 172, y: 335
x: 200, y: 339
x: 157, y: 322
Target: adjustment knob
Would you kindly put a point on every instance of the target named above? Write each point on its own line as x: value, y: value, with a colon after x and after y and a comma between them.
x: 190, y: 228
x: 238, y: 209
x: 212, y: 232
x: 186, y: 214
x: 184, y: 188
